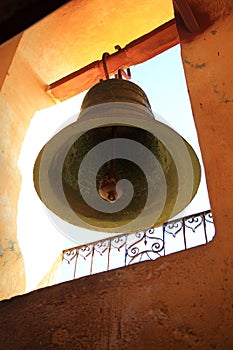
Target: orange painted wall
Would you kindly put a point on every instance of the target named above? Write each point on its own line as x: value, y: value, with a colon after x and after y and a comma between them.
x: 181, y: 301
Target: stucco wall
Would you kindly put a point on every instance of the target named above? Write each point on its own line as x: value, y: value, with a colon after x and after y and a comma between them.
x: 16, y: 111
x: 181, y: 301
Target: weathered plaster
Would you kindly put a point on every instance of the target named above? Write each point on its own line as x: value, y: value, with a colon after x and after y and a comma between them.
x: 16, y: 110
x: 181, y: 301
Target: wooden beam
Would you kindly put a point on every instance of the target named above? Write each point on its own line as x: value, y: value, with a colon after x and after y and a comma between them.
x: 138, y: 51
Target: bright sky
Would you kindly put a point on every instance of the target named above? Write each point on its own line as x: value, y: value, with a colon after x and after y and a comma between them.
x: 41, y: 234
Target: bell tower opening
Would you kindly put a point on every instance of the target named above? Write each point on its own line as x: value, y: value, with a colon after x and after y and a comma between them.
x: 162, y: 79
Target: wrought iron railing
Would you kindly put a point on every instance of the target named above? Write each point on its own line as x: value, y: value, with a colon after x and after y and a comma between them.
x: 127, y: 249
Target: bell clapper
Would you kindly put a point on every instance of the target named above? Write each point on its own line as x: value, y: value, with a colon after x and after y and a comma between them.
x: 108, y: 189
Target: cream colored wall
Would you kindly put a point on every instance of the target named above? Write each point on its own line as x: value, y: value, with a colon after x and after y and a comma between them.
x: 81, y: 31
x: 21, y: 96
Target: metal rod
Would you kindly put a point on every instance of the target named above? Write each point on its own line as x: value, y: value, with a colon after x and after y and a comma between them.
x: 75, y: 264
x: 92, y: 258
x: 183, y: 227
x: 204, y: 224
x: 104, y: 60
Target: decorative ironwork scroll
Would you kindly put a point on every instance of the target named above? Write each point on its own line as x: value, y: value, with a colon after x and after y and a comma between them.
x: 150, y: 244
x: 145, y: 246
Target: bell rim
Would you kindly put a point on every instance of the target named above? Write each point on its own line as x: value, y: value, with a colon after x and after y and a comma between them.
x: 84, y: 124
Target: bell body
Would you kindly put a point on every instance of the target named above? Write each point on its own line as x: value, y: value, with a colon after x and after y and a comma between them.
x: 116, y: 169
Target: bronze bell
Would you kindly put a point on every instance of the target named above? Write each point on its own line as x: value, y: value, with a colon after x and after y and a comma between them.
x: 116, y: 169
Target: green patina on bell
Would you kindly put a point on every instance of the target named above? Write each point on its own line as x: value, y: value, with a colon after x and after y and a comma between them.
x: 125, y: 169
x: 74, y: 183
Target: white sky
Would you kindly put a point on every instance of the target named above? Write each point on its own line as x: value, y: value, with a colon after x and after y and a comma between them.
x: 41, y: 234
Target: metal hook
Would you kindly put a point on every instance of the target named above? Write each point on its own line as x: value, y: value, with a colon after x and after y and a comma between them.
x: 104, y: 57
x: 121, y: 72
